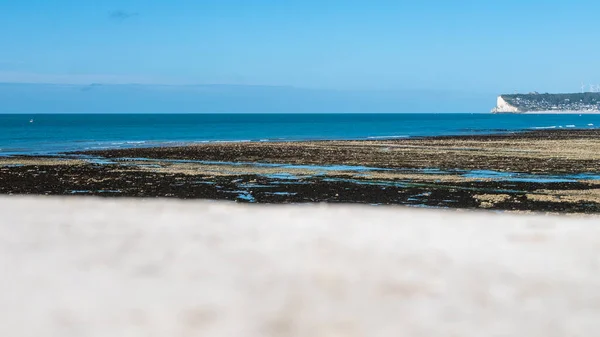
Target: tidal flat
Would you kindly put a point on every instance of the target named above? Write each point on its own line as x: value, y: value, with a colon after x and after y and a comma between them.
x: 546, y: 171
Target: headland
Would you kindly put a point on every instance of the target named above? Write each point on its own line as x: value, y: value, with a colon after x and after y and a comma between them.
x: 579, y: 103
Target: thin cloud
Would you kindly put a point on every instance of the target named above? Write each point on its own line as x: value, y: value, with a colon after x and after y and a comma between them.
x: 120, y: 15
x: 11, y: 63
x: 77, y: 79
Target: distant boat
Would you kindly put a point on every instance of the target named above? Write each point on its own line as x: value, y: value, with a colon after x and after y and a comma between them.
x: 31, y: 121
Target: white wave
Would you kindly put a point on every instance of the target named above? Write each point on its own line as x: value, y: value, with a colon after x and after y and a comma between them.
x: 590, y: 124
x: 570, y: 126
x: 386, y: 137
x: 544, y: 127
x: 233, y: 141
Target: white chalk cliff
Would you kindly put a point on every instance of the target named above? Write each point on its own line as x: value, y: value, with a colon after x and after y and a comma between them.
x: 504, y: 107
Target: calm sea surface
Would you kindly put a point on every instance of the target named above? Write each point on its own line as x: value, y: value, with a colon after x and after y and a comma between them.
x: 51, y: 133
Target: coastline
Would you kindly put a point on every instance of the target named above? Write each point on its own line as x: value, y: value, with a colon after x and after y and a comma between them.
x: 79, y: 132
x: 544, y: 151
x: 545, y: 170
x: 553, y: 112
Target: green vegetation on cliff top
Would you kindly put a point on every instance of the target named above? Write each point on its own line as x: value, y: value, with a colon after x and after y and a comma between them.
x: 543, y: 102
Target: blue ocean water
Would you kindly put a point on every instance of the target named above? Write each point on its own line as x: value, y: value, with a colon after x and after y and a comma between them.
x: 51, y: 133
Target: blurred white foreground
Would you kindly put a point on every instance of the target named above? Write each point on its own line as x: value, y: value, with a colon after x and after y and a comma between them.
x: 116, y: 267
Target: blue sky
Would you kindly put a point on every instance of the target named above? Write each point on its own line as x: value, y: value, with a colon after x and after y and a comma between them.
x: 475, y: 46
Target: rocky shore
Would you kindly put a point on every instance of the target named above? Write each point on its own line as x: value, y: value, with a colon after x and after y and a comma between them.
x: 549, y: 171
x: 544, y: 151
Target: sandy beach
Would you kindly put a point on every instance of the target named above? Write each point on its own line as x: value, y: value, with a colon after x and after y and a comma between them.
x: 133, y: 267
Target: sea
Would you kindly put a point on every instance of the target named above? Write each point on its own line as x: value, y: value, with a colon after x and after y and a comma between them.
x: 55, y: 133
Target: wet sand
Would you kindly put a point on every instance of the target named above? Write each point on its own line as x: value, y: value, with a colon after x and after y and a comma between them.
x: 568, y: 151
x: 548, y: 171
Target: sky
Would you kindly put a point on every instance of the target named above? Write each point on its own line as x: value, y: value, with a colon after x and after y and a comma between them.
x: 485, y: 47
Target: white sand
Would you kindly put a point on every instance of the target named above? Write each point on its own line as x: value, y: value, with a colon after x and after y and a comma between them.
x: 90, y: 267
